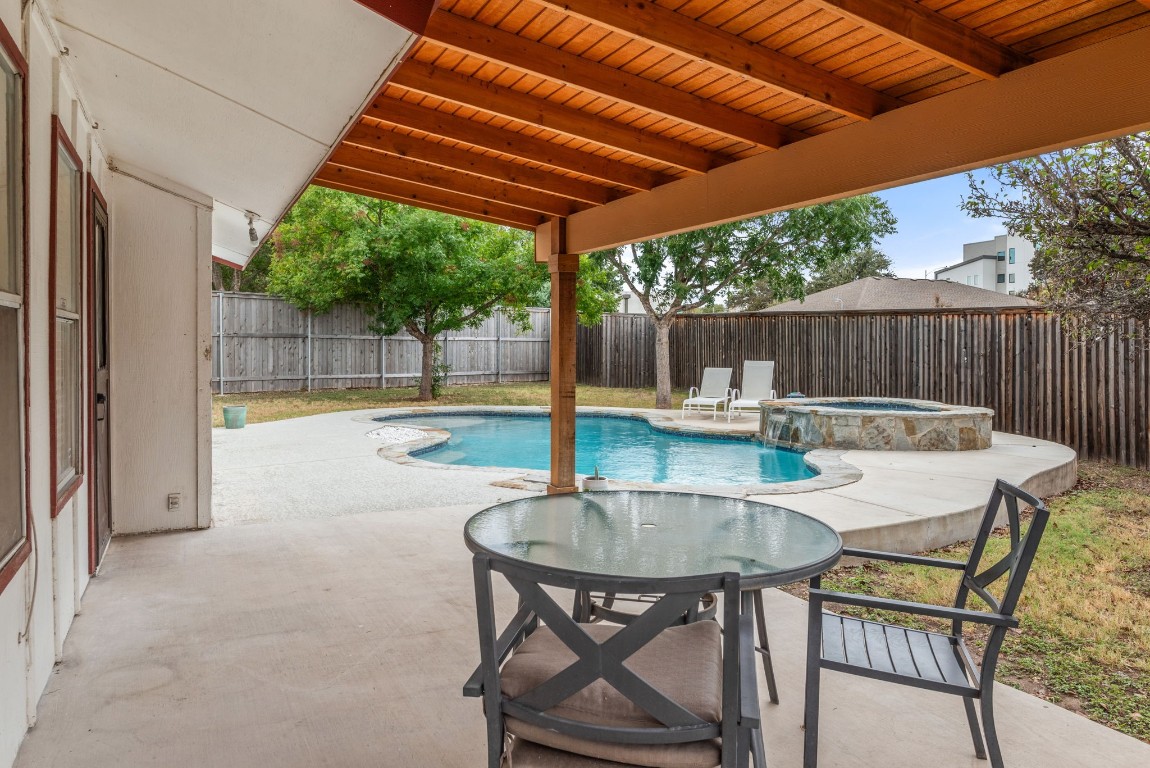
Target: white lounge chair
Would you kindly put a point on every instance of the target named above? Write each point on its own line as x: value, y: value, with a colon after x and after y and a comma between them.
x: 713, y: 392
x: 758, y: 384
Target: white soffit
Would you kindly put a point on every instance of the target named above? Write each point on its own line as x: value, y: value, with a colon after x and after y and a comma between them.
x: 238, y: 101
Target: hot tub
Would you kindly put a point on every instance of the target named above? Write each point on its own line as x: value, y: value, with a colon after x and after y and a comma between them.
x: 874, y: 424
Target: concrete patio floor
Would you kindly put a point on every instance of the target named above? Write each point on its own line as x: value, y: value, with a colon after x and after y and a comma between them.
x: 344, y: 642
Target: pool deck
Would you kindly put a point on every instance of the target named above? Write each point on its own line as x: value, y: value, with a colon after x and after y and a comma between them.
x: 327, y: 466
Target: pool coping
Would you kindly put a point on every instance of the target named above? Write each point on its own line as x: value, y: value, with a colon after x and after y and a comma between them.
x: 833, y: 471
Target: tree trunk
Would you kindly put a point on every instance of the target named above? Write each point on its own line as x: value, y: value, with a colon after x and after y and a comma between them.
x: 663, y: 362
x: 428, y: 370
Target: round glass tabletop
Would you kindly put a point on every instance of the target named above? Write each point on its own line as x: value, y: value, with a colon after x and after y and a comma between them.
x: 654, y: 534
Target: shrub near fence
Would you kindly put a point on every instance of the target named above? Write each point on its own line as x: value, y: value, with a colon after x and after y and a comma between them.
x: 1021, y: 363
x: 262, y: 343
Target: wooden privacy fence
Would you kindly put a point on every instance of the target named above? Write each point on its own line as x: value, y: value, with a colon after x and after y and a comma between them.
x: 262, y: 343
x: 1021, y: 363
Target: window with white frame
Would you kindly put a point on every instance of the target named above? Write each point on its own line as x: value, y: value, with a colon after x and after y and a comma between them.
x: 13, y: 520
x: 66, y: 303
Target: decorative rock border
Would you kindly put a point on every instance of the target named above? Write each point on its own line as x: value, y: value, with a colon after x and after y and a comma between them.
x: 832, y: 470
x: 906, y: 425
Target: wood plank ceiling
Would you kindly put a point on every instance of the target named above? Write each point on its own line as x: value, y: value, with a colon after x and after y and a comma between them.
x: 518, y: 111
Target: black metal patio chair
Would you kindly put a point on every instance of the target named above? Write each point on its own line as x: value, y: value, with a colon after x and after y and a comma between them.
x: 935, y: 661
x: 601, y: 607
x: 656, y: 691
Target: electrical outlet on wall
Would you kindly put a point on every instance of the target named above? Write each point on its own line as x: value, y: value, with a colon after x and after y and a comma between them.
x: 173, y: 502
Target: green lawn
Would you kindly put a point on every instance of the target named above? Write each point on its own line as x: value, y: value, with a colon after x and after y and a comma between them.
x: 1085, y: 636
x: 273, y: 406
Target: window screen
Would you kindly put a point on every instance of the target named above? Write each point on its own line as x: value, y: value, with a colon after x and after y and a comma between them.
x: 11, y: 446
x: 12, y: 514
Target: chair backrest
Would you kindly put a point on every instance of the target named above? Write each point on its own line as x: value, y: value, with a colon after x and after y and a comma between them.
x: 602, y: 659
x: 1015, y: 564
x: 758, y: 379
x: 716, y: 381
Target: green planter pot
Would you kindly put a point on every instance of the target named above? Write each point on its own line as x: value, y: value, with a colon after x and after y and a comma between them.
x: 235, y: 416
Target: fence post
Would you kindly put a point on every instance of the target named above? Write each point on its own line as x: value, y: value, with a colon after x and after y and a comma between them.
x: 383, y: 361
x: 309, y: 350
x: 498, y: 347
x: 220, y: 313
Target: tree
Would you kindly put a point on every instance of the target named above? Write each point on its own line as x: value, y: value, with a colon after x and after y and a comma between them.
x: 253, y: 278
x: 1087, y: 211
x: 411, y: 269
x: 680, y: 273
x: 868, y: 261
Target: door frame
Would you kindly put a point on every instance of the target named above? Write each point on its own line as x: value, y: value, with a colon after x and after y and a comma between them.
x: 95, y: 198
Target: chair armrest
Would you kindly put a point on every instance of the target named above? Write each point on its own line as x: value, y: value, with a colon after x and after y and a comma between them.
x: 774, y: 395
x: 729, y: 393
x: 473, y: 688
x: 511, y: 636
x: 734, y: 393
x: 748, y: 686
x: 819, y: 596
x: 896, y: 557
x: 692, y: 392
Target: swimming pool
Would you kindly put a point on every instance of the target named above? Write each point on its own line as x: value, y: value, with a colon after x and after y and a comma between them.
x: 623, y: 448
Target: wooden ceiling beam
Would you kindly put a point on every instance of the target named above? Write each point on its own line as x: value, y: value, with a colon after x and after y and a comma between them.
x: 407, y: 169
x: 410, y: 193
x: 387, y: 140
x: 478, y: 134
x: 516, y: 105
x: 928, y: 31
x: 510, y: 50
x: 673, y: 31
x: 319, y: 182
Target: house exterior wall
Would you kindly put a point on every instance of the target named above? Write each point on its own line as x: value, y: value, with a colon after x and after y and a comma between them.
x: 159, y: 302
x: 1015, y: 275
x: 161, y: 281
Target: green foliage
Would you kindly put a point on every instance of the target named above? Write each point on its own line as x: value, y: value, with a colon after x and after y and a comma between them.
x: 865, y: 262
x: 596, y: 291
x: 253, y: 278
x: 411, y: 269
x: 439, y: 372
x: 1087, y: 211
x: 688, y: 271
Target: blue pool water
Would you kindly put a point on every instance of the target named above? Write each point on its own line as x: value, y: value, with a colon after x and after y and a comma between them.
x: 876, y: 405
x: 622, y: 448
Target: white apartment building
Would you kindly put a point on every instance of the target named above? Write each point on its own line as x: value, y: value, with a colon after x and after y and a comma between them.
x: 1001, y: 264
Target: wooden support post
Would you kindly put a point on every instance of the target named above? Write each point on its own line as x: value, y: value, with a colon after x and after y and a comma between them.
x: 564, y: 268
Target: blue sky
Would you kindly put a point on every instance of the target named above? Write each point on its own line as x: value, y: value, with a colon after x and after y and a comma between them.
x: 931, y: 226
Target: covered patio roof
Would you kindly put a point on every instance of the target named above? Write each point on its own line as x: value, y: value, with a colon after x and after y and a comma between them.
x: 632, y: 119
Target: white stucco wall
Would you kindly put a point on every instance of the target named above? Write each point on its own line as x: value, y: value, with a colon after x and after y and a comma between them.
x: 161, y: 282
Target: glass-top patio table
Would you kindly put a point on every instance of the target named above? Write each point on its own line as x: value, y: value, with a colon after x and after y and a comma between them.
x: 657, y: 535
x: 634, y: 542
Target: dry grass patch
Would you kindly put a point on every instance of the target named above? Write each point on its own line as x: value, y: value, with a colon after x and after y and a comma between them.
x: 273, y: 406
x: 1085, y: 635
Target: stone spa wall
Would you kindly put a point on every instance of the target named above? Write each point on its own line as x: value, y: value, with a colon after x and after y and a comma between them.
x: 874, y: 424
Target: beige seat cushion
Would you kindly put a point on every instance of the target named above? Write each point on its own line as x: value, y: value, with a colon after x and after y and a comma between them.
x: 685, y: 663
x: 525, y: 754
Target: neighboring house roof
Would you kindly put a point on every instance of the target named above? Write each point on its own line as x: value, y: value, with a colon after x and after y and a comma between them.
x: 993, y: 256
x: 901, y: 293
